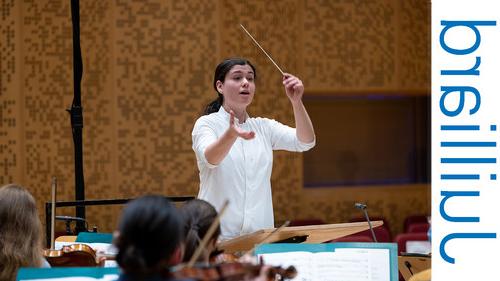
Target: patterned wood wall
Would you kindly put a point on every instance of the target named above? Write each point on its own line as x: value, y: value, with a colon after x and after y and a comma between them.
x: 148, y: 67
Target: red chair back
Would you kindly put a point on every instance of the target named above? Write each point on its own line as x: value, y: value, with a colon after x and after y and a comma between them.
x: 414, y: 219
x: 385, y: 234
x: 418, y: 227
x: 354, y: 238
x: 303, y: 222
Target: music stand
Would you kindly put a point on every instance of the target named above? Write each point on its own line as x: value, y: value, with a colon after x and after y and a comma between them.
x: 315, y: 234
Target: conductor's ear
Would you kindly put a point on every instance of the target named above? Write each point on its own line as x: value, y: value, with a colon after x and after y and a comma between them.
x: 218, y: 85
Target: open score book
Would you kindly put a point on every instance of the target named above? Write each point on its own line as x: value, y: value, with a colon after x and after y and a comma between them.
x: 336, y: 261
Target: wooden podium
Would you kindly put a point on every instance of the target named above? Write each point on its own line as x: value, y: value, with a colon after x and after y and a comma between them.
x: 315, y: 234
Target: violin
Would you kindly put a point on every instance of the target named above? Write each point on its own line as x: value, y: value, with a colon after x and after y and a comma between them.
x: 223, y: 258
x: 72, y: 255
x: 226, y: 266
x: 232, y: 271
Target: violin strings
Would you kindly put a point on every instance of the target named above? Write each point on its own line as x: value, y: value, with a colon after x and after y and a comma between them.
x: 257, y: 43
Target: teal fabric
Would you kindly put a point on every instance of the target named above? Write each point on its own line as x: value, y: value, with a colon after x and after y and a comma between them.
x: 94, y: 237
x: 60, y: 272
x: 330, y: 247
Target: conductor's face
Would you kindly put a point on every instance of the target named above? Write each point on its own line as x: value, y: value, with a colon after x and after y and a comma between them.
x: 238, y: 87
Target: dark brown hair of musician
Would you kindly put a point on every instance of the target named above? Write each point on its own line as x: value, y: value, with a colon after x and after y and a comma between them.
x: 149, y: 234
x: 20, y: 231
x: 220, y: 75
x: 199, y: 216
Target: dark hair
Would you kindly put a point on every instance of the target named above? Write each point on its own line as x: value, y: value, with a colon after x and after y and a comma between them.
x: 150, y: 231
x: 199, y: 215
x: 220, y: 74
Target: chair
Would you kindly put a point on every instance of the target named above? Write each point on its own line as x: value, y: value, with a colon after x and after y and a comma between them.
x: 418, y: 227
x: 413, y: 219
x: 403, y: 238
x: 383, y: 235
x: 353, y: 238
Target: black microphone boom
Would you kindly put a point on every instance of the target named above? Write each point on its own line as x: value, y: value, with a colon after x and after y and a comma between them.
x: 76, y: 113
x: 362, y: 207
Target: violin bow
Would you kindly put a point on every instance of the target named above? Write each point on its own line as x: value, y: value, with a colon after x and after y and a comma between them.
x: 258, y: 45
x: 267, y: 238
x: 53, y: 210
x: 208, y: 235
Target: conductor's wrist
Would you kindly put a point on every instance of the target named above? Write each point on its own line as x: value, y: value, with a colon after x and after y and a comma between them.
x: 296, y: 102
x: 231, y: 133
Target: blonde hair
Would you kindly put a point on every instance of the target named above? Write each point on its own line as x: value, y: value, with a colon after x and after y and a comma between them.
x: 20, y: 231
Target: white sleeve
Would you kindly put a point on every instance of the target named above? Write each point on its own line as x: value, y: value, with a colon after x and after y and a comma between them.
x: 203, y: 135
x: 284, y: 137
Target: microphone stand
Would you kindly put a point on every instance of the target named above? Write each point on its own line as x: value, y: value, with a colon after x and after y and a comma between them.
x: 363, y: 208
x: 76, y: 114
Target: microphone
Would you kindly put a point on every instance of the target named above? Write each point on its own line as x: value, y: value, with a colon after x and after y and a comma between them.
x: 362, y: 207
x: 68, y: 220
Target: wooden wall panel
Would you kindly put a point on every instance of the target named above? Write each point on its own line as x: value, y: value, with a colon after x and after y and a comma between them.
x: 414, y: 44
x: 47, y: 90
x: 164, y: 53
x: 148, y: 68
x: 350, y: 45
x: 11, y: 102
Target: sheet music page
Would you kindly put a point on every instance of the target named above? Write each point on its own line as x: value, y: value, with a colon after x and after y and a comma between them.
x: 379, y: 261
x: 301, y: 260
x: 345, y: 264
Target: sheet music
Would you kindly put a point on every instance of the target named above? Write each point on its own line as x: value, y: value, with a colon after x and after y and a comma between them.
x: 345, y: 264
x: 301, y: 260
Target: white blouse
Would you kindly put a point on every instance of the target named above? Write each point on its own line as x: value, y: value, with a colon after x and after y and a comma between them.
x: 244, y: 175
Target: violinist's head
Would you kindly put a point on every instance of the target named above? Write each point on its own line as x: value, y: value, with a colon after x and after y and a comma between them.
x: 234, y: 83
x: 199, y: 215
x: 20, y: 231
x: 150, y: 236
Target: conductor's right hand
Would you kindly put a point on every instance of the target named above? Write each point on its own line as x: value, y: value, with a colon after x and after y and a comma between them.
x: 236, y: 131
